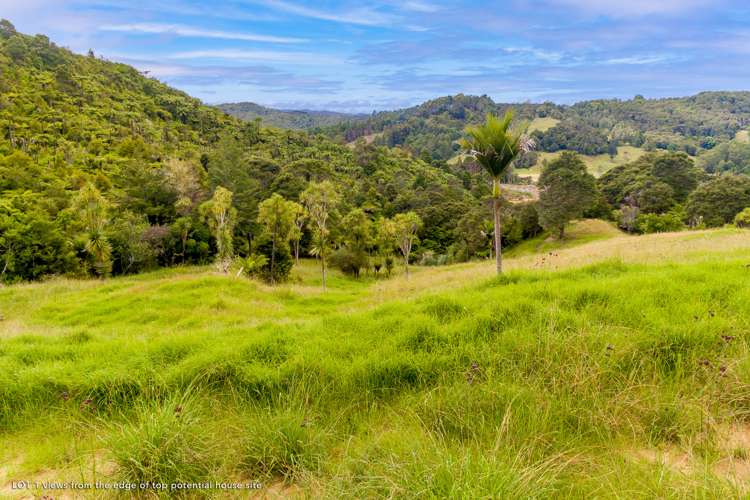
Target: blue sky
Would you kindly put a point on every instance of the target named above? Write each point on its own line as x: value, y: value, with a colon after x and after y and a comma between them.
x: 364, y: 56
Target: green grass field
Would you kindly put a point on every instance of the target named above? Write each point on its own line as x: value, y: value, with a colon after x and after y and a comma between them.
x: 604, y: 366
x: 596, y: 165
x: 542, y: 124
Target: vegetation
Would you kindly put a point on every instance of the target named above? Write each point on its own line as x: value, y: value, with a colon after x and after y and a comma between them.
x: 537, y: 383
x: 83, y: 137
x: 494, y: 146
x: 294, y: 120
x: 567, y: 190
x: 693, y: 125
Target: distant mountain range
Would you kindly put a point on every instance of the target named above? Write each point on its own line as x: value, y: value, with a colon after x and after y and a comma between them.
x: 288, y: 119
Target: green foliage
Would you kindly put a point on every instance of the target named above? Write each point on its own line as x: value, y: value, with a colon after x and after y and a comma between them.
x: 671, y: 221
x: 566, y: 190
x: 719, y: 200
x: 574, y: 136
x: 155, y: 155
x: 404, y: 230
x: 652, y: 185
x: 733, y: 156
x: 742, y: 219
x: 494, y: 145
x: 251, y: 265
x: 294, y: 120
x: 277, y: 216
x: 350, y: 261
x: 279, y: 255
x: 685, y: 124
x: 220, y: 215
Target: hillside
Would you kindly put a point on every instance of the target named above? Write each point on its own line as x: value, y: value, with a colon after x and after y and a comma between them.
x: 626, y: 375
x: 287, y: 119
x: 691, y: 124
x: 103, y: 170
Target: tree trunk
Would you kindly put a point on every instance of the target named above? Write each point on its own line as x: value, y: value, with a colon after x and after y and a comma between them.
x: 273, y: 259
x: 562, y: 232
x: 406, y: 265
x: 296, y: 252
x: 498, y: 234
x: 323, y: 264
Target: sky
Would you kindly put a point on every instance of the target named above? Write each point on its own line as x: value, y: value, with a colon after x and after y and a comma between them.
x: 358, y: 56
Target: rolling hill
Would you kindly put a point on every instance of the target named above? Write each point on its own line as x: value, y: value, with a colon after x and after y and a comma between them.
x: 692, y: 124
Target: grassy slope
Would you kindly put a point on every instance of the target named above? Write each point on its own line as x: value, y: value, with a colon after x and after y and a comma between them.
x: 556, y: 380
x: 542, y: 124
x: 597, y: 165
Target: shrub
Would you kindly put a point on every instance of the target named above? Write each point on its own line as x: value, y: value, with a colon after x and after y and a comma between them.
x: 350, y: 262
x: 252, y: 265
x: 660, y: 223
x: 282, y: 262
x: 742, y: 219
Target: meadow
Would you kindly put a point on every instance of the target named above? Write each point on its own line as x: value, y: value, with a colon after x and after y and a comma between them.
x: 606, y: 366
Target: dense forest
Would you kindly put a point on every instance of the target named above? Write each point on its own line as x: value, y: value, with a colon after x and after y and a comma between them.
x: 287, y: 119
x: 105, y: 171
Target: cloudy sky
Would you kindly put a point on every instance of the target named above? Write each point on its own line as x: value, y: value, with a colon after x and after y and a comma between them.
x: 362, y: 56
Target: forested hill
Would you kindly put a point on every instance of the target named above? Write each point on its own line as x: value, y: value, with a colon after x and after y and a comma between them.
x: 288, y: 119
x: 103, y: 170
x: 690, y: 124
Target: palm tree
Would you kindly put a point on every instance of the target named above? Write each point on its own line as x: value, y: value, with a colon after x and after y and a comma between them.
x: 495, y: 147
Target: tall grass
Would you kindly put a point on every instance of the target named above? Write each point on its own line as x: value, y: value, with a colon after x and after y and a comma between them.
x: 536, y: 384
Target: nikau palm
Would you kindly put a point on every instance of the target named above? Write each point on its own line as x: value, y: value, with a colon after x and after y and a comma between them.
x: 495, y: 147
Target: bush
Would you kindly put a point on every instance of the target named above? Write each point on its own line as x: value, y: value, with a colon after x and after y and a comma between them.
x: 282, y: 262
x: 742, y: 219
x: 350, y: 262
x: 664, y: 223
x: 252, y: 265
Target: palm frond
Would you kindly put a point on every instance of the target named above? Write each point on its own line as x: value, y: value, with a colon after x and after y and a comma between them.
x: 494, y: 145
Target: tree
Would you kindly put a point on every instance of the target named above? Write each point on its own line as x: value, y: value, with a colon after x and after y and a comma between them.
x: 220, y: 215
x: 321, y: 200
x: 719, y: 200
x: 405, y: 228
x: 276, y: 216
x: 91, y: 208
x: 566, y: 190
x: 742, y: 219
x: 300, y: 217
x: 495, y: 147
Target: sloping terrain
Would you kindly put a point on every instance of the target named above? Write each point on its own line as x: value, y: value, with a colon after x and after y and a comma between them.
x: 627, y: 376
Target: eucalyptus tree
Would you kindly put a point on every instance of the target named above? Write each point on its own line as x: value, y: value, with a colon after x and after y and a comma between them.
x: 321, y: 199
x: 495, y: 146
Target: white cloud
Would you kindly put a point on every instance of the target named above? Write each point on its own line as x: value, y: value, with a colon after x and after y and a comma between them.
x: 258, y: 55
x: 187, y: 31
x: 362, y: 16
x: 634, y: 8
x: 637, y: 60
